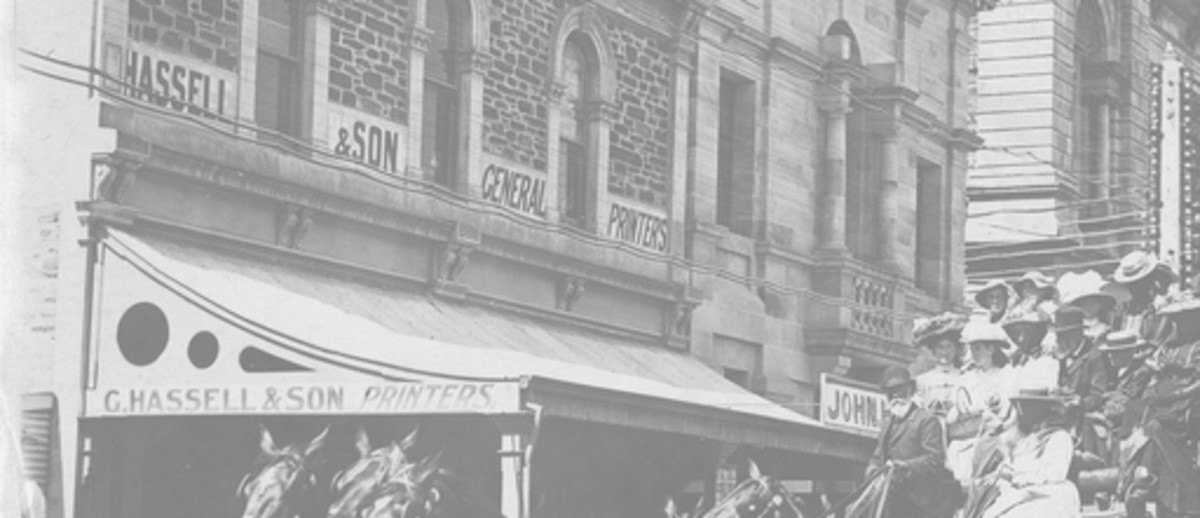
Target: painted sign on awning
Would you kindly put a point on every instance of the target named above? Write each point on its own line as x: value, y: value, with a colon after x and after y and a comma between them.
x: 851, y: 406
x: 452, y: 397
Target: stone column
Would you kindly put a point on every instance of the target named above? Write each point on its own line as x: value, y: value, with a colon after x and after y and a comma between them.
x: 418, y: 49
x: 555, y: 186
x: 1103, y: 174
x: 470, y: 66
x: 247, y: 68
x: 315, y: 126
x: 704, y: 234
x: 600, y: 116
x: 684, y: 53
x: 889, y: 200
x: 833, y: 202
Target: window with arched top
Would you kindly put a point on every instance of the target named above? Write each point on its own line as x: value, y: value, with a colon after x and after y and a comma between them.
x: 440, y: 135
x: 863, y: 181
x: 579, y: 76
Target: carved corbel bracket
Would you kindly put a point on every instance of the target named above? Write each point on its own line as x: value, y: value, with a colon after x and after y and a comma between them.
x: 293, y: 223
x: 455, y: 254
x: 684, y: 306
x: 113, y: 177
x: 570, y: 290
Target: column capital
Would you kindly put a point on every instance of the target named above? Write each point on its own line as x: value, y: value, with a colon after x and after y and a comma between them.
x: 554, y: 93
x: 419, y: 38
x: 601, y: 111
x: 470, y: 61
x: 320, y: 7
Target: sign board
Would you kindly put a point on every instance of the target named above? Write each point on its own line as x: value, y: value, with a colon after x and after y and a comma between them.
x: 851, y: 406
x: 514, y: 189
x: 642, y: 227
x: 178, y: 82
x: 369, y: 140
x: 451, y: 397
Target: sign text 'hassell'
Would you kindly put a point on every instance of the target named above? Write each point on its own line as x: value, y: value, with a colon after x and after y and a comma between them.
x: 173, y: 85
x: 385, y: 398
x: 638, y: 228
x: 515, y: 190
x: 850, y: 406
x: 369, y: 144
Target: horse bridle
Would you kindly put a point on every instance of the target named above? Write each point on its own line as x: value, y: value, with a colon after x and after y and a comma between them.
x: 776, y: 501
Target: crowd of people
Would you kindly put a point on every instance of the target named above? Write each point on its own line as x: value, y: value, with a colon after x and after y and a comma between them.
x: 1056, y: 393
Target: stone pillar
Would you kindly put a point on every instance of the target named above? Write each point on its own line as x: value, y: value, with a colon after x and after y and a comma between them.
x: 1103, y: 176
x: 470, y: 66
x: 600, y: 116
x: 555, y: 187
x: 684, y: 53
x: 704, y: 234
x: 315, y: 126
x: 247, y: 68
x: 833, y: 201
x: 889, y: 201
x: 418, y: 49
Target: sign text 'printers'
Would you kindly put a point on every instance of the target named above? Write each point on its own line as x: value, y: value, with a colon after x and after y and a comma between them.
x: 638, y: 228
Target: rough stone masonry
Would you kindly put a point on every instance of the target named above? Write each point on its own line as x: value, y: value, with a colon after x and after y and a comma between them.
x: 208, y: 30
x: 368, y: 61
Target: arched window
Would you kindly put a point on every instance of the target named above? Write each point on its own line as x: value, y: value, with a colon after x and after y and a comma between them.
x: 439, y: 138
x: 579, y: 75
x: 1090, y: 147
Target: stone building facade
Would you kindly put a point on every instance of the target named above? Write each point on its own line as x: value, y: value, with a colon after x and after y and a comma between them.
x: 1067, y: 180
x: 773, y: 188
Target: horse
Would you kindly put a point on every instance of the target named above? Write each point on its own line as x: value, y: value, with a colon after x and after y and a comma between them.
x: 285, y: 473
x: 759, y: 496
x: 386, y: 483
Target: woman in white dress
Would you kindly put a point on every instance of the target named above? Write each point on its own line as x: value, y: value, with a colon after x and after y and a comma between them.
x: 1032, y: 479
x: 987, y: 379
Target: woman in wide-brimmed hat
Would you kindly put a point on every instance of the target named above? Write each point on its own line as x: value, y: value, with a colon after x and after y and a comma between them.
x: 941, y: 386
x: 1032, y: 361
x: 985, y: 380
x: 995, y: 297
x: 1090, y: 293
x: 1035, y: 293
x: 1033, y: 477
x: 1145, y: 277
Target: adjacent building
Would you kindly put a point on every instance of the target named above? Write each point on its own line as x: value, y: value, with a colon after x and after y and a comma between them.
x: 598, y: 237
x: 1073, y: 117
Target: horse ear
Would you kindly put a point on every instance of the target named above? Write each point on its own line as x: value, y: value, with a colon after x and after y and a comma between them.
x: 362, y: 443
x: 317, y: 442
x: 699, y: 506
x: 409, y: 440
x: 266, y: 443
x: 670, y: 509
x: 755, y: 473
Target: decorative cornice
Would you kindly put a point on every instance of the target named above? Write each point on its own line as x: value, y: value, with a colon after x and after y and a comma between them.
x: 786, y: 51
x: 914, y: 12
x: 113, y: 175
x: 601, y: 111
x: 472, y: 62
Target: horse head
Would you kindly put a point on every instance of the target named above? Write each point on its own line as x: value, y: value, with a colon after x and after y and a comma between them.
x: 283, y: 473
x: 385, y: 482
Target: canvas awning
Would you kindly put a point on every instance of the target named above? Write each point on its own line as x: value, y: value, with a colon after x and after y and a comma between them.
x: 299, y: 325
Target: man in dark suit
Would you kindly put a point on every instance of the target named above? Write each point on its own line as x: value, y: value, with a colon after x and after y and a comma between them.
x: 913, y: 447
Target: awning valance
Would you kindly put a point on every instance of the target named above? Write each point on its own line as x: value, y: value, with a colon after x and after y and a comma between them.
x: 280, y: 324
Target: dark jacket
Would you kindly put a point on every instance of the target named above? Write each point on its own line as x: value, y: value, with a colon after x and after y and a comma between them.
x: 916, y: 443
x: 1086, y: 374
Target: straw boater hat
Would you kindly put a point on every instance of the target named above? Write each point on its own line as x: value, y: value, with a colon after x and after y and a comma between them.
x: 985, y: 332
x: 1074, y: 288
x: 926, y: 331
x: 1039, y: 280
x: 1123, y: 340
x: 992, y: 286
x: 1140, y: 264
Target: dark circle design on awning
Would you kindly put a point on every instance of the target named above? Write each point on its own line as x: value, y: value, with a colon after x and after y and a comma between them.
x: 142, y: 334
x: 203, y: 349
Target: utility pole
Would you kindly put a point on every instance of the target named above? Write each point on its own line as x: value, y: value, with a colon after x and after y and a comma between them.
x: 1174, y: 152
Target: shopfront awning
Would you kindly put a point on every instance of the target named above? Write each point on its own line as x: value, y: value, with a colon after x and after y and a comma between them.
x: 283, y: 322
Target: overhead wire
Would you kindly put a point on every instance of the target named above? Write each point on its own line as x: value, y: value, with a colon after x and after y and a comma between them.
x: 437, y: 191
x: 1013, y: 274
x: 1054, y: 250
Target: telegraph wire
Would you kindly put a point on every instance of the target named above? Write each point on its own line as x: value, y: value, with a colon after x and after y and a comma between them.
x: 1014, y: 274
x: 976, y: 247
x: 1055, y: 250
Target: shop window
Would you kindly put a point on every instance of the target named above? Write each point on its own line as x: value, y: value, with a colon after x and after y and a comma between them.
x: 930, y: 216
x: 579, y: 74
x: 277, y: 81
x: 439, y: 146
x: 735, y: 154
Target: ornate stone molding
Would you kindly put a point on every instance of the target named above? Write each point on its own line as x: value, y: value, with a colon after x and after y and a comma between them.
x: 685, y: 304
x: 570, y: 290
x: 321, y: 7
x: 455, y: 254
x: 471, y: 62
x: 554, y: 93
x: 419, y: 38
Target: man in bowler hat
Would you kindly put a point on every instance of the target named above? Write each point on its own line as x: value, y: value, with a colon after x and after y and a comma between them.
x: 913, y: 446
